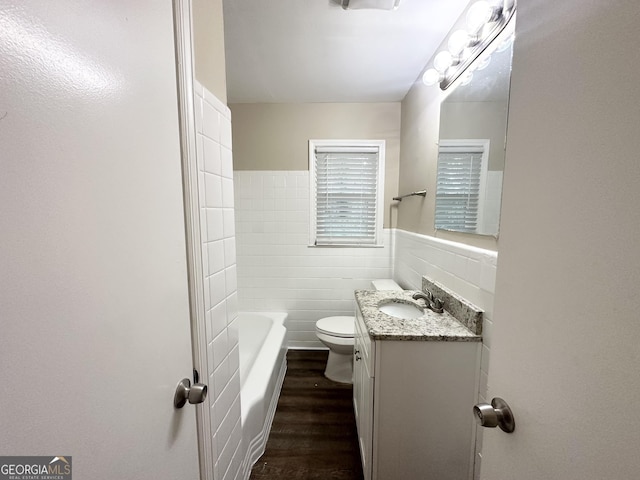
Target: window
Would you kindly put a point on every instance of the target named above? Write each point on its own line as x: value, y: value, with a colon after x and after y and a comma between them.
x: 347, y: 191
x: 462, y: 168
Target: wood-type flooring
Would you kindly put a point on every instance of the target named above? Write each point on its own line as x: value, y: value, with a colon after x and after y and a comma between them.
x: 313, y: 436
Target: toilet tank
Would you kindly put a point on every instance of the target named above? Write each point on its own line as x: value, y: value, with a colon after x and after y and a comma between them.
x: 385, y: 284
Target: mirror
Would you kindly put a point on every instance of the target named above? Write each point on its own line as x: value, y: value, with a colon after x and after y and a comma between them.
x: 471, y: 147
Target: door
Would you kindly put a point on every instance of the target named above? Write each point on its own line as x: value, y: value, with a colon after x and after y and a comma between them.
x: 95, y: 330
x: 565, y: 344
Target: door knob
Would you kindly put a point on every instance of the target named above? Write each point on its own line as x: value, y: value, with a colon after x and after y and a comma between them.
x: 498, y: 414
x: 195, y: 393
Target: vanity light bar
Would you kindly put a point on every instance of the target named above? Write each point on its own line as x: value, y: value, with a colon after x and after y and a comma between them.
x: 484, y: 24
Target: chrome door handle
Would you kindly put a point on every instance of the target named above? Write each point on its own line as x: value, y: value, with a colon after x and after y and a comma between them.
x: 195, y: 393
x: 498, y: 414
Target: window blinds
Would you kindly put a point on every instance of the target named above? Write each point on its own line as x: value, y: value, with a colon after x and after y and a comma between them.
x: 458, y: 188
x: 346, y: 195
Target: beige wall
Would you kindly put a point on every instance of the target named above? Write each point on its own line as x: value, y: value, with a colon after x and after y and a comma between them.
x: 276, y: 136
x: 477, y: 120
x: 208, y: 45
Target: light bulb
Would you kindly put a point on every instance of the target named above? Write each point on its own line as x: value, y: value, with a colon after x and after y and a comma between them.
x: 484, y: 63
x: 442, y: 61
x: 478, y: 15
x: 431, y: 77
x: 466, y: 79
x: 458, y: 41
x: 505, y: 44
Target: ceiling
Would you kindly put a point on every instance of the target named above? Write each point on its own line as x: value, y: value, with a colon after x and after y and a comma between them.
x: 299, y: 51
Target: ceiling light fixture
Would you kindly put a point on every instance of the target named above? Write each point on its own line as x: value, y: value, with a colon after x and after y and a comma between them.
x: 485, y: 21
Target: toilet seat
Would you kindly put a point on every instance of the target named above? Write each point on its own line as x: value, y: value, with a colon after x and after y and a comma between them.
x: 343, y: 327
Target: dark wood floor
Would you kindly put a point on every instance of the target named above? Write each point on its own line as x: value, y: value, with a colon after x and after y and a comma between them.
x: 314, y: 433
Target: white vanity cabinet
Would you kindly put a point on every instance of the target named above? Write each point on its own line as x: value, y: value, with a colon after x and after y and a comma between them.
x: 413, y: 404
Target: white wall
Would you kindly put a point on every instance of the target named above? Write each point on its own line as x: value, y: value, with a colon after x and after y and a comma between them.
x: 278, y: 271
x: 566, y: 340
x: 215, y: 187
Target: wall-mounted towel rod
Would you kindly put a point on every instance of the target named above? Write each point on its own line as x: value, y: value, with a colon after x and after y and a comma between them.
x: 422, y: 193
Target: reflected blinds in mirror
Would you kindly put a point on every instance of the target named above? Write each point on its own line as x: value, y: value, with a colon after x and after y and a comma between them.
x: 458, y: 188
x: 346, y: 195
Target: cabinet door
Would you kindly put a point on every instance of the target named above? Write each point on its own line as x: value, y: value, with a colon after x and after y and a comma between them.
x: 357, y: 382
x: 366, y: 421
x: 363, y: 407
x: 363, y: 395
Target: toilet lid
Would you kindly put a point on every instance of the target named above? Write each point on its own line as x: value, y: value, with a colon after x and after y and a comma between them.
x: 337, y: 326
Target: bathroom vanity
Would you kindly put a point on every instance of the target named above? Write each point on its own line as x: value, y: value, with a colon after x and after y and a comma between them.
x: 415, y: 383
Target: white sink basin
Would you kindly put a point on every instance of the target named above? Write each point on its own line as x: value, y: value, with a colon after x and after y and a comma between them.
x: 401, y: 310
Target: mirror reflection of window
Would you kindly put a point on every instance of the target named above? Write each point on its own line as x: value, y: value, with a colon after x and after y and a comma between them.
x: 462, y: 169
x: 476, y: 111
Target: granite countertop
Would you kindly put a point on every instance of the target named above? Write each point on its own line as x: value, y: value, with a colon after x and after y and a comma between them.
x: 440, y: 327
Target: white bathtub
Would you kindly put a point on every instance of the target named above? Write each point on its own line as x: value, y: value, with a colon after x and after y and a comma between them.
x: 263, y: 364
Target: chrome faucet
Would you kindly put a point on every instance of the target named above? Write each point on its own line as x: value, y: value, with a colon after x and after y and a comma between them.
x: 431, y: 302
x: 427, y: 297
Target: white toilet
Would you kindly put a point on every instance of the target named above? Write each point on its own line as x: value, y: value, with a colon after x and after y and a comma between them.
x: 337, y: 333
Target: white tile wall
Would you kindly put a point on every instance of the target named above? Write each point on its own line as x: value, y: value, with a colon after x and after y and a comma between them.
x: 278, y: 270
x: 468, y: 271
x: 215, y: 185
